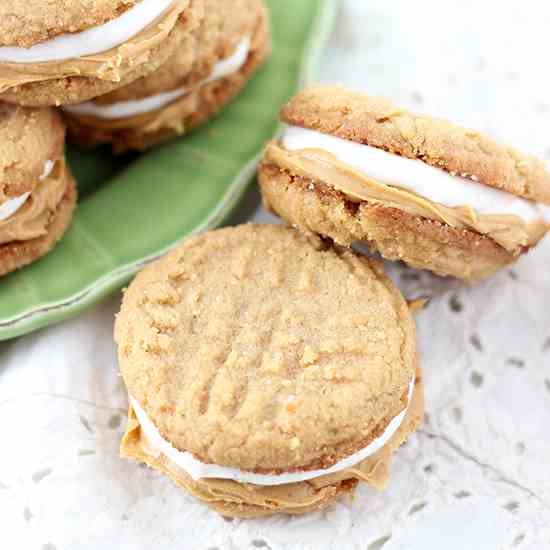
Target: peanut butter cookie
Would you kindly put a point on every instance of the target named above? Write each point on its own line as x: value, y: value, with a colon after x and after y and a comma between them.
x: 209, y: 68
x: 265, y: 375
x: 422, y: 190
x: 37, y: 192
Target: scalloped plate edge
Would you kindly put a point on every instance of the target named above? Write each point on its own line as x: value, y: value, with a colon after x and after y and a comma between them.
x: 59, y: 311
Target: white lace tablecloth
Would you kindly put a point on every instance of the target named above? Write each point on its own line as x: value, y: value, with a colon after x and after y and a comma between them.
x: 476, y: 476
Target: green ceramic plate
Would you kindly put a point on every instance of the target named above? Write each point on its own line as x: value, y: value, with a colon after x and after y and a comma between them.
x: 133, y: 209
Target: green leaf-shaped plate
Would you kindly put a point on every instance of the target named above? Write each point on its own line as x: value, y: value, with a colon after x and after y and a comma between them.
x: 134, y: 209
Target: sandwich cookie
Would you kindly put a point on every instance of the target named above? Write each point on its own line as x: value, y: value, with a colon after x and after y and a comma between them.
x: 232, y: 42
x: 37, y: 191
x: 54, y: 53
x: 265, y: 375
x: 355, y: 168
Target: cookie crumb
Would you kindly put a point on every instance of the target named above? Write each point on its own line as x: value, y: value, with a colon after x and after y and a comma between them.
x: 294, y: 443
x: 309, y: 357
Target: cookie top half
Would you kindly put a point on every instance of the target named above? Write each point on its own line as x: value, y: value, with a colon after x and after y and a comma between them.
x: 378, y: 123
x: 69, y: 52
x: 224, y: 27
x: 30, y: 139
x: 25, y: 23
x: 251, y: 349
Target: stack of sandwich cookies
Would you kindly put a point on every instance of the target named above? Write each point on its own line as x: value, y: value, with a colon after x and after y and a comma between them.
x: 265, y: 375
x: 37, y: 191
x: 355, y: 168
x: 54, y: 53
x: 209, y: 68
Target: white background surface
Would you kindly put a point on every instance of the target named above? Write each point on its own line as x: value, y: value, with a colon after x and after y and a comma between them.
x: 476, y: 476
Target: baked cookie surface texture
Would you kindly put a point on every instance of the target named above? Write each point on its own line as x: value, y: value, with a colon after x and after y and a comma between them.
x: 265, y: 375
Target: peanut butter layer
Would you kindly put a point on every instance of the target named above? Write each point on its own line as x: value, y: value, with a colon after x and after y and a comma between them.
x: 111, y: 65
x: 294, y: 498
x: 509, y: 231
x: 34, y: 217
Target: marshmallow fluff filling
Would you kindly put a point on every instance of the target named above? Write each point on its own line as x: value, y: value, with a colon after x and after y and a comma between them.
x: 197, y: 469
x: 9, y: 208
x: 90, y: 41
x: 124, y: 109
x: 423, y: 179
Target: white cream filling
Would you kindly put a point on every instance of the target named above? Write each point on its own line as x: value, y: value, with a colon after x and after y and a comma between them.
x: 48, y: 169
x: 9, y: 208
x: 425, y: 180
x: 124, y: 109
x: 90, y: 41
x: 197, y: 470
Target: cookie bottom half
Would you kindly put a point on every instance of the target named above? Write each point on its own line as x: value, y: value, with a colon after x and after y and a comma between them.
x: 15, y: 255
x: 243, y: 500
x: 317, y: 209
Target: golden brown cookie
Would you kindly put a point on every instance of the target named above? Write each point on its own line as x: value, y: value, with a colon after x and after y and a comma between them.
x: 208, y: 70
x: 30, y: 138
x: 17, y: 254
x: 265, y: 375
x: 355, y: 168
x: 37, y: 192
x: 53, y: 55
